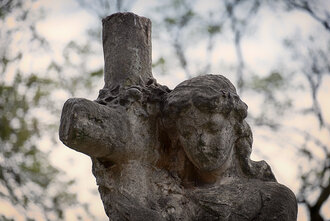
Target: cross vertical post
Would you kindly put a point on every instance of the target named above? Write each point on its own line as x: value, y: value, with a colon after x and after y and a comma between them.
x: 127, y: 49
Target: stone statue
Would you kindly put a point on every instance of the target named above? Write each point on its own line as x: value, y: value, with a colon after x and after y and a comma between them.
x: 204, y: 118
x: 169, y: 155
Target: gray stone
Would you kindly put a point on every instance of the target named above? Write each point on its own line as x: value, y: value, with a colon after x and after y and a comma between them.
x: 126, y: 49
x: 169, y: 155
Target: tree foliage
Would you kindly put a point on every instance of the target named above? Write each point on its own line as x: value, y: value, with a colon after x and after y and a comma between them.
x: 29, y: 183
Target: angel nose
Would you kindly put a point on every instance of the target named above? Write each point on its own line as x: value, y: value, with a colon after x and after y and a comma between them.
x: 202, y: 139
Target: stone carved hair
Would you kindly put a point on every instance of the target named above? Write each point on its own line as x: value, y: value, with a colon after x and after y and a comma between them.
x: 216, y: 94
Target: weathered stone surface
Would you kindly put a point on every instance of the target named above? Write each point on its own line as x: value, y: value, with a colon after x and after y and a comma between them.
x: 127, y: 49
x: 169, y: 155
x: 93, y: 129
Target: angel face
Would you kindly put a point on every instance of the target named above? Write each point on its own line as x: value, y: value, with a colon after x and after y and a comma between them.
x: 207, y: 138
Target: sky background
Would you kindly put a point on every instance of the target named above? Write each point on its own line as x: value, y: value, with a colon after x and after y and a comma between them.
x: 66, y: 20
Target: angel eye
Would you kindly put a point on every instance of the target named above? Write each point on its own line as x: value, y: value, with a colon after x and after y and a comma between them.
x: 211, y: 127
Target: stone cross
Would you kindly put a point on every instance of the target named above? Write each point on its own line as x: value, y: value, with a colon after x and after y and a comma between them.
x: 119, y: 130
x: 159, y: 154
x: 127, y: 56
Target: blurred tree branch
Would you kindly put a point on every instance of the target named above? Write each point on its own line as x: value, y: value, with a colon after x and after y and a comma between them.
x: 28, y: 181
x: 310, y: 8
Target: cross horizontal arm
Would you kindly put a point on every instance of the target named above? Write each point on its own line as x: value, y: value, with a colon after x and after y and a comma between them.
x: 94, y: 129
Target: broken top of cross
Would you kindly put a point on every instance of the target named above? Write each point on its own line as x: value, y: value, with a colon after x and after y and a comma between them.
x: 127, y: 50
